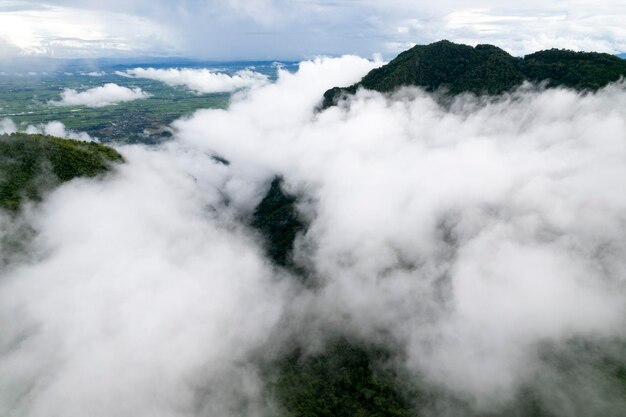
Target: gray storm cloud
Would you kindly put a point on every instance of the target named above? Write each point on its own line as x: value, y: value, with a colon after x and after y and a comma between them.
x: 469, y: 233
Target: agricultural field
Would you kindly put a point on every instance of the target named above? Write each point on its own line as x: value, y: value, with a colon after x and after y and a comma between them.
x: 26, y: 98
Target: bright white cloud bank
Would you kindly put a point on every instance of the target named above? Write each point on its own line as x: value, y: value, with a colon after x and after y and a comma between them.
x: 96, y: 73
x: 105, y: 95
x: 54, y: 128
x: 45, y: 29
x: 58, y: 129
x: 468, y: 236
x: 200, y: 80
x: 7, y: 126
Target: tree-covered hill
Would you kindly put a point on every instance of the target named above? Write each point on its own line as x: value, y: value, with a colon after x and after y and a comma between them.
x: 485, y: 69
x: 353, y: 378
x: 578, y: 70
x: 32, y: 164
x: 278, y: 221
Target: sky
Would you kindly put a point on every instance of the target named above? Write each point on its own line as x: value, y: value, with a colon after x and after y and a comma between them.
x: 298, y: 29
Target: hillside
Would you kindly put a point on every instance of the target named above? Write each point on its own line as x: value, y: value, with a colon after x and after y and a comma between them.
x: 352, y: 377
x: 485, y: 69
x: 32, y: 164
x: 277, y: 219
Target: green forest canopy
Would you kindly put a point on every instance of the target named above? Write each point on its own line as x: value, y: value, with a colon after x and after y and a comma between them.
x: 33, y: 164
x: 485, y: 69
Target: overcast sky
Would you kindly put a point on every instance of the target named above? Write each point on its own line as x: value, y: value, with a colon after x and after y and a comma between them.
x: 295, y: 29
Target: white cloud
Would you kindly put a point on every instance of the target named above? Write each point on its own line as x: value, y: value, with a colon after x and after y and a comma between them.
x: 472, y: 234
x: 279, y: 29
x: 105, y: 95
x: 66, y: 32
x: 54, y: 128
x: 7, y: 126
x: 96, y: 73
x: 467, y: 235
x: 145, y: 302
x: 200, y: 80
x: 58, y: 129
x: 558, y: 29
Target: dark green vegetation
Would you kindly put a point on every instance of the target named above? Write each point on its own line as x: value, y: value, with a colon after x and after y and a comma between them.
x: 353, y: 378
x: 33, y: 164
x: 345, y: 380
x: 277, y: 218
x: 348, y: 378
x: 578, y: 70
x: 485, y: 69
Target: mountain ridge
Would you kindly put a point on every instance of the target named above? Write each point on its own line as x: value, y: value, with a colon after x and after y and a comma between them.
x: 485, y: 69
x: 33, y: 164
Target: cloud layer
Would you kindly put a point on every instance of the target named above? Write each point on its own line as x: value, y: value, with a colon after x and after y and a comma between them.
x: 281, y: 29
x: 55, y: 30
x: 472, y: 233
x: 464, y: 235
x: 166, y: 317
x: 54, y: 128
x: 201, y: 80
x: 58, y: 129
x: 7, y: 126
x: 106, y: 95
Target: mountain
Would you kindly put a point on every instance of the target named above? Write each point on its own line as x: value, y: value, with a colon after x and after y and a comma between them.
x: 278, y: 221
x: 623, y: 56
x: 33, y: 164
x: 485, y: 69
